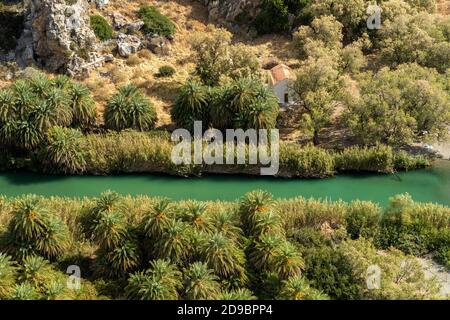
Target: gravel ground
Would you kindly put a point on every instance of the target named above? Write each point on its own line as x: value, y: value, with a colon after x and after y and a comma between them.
x: 432, y: 269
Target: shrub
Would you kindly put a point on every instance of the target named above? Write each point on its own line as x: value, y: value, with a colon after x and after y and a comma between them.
x: 330, y: 271
x: 155, y: 22
x: 307, y: 162
x: 362, y: 219
x: 129, y: 109
x: 165, y: 71
x: 62, y: 151
x: 277, y: 13
x: 103, y: 31
x: 297, y: 288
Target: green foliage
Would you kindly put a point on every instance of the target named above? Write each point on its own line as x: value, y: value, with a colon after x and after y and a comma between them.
x: 166, y: 71
x: 62, y: 151
x: 130, y: 109
x: 218, y: 60
x: 200, y: 283
x: 103, y: 31
x: 7, y: 275
x: 308, y: 258
x: 35, y: 229
x: 160, y: 282
x: 297, y: 288
x: 30, y: 107
x: 191, y: 104
x: 415, y: 228
x: 399, y: 106
x: 308, y: 161
x: 273, y: 18
x: 155, y: 22
x: 83, y: 106
x: 328, y: 270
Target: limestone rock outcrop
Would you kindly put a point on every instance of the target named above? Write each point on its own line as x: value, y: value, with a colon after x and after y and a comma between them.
x: 57, y: 36
x: 232, y: 13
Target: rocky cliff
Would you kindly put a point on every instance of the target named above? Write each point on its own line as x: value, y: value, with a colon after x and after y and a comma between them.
x: 58, y: 37
x: 233, y: 13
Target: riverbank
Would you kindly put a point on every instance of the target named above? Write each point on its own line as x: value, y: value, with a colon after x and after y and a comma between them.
x: 151, y: 152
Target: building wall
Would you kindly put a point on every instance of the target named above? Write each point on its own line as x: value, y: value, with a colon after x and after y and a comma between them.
x: 282, y: 88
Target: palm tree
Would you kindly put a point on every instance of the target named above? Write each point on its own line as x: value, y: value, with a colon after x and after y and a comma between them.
x: 7, y: 275
x: 158, y: 219
x: 261, y: 114
x: 108, y: 201
x: 191, y: 104
x: 62, y: 82
x: 226, y: 222
x: 265, y: 250
x: 167, y: 272
x: 56, y: 240
x: 110, y: 229
x: 160, y: 282
x: 174, y: 243
x: 195, y: 214
x: 244, y: 91
x: 58, y: 102
x: 129, y: 109
x: 120, y: 261
x: 200, y: 283
x: 24, y: 98
x: 7, y: 112
x: 288, y: 261
x: 83, y: 106
x: 36, y: 271
x: 62, y: 151
x: 267, y: 222
x: 223, y: 255
x: 221, y: 115
x: 153, y: 288
x: 297, y: 288
x: 26, y: 135
x: 252, y: 205
x: 30, y: 219
x: 40, y: 85
x: 237, y: 294
x: 24, y: 291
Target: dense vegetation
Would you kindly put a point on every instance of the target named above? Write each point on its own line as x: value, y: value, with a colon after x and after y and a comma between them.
x: 257, y: 247
x: 103, y: 31
x: 155, y: 22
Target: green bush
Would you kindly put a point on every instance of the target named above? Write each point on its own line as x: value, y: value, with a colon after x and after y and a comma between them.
x: 331, y: 272
x: 155, y: 22
x: 309, y: 161
x: 273, y: 18
x: 101, y: 28
x: 166, y: 71
x: 415, y: 228
x: 130, y: 109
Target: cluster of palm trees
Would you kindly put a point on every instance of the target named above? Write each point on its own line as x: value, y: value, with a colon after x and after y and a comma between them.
x: 46, y: 117
x: 242, y: 103
x: 194, y: 253
x: 35, y: 230
x: 30, y: 107
x: 175, y: 250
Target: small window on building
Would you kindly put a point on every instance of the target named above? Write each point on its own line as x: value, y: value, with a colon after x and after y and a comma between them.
x: 286, y: 98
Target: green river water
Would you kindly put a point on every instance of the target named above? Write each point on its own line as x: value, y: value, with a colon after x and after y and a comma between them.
x: 430, y: 185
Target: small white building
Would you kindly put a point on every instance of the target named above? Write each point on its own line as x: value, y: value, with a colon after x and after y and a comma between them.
x: 280, y: 78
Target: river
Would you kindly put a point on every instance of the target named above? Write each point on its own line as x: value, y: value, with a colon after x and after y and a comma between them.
x: 429, y: 185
